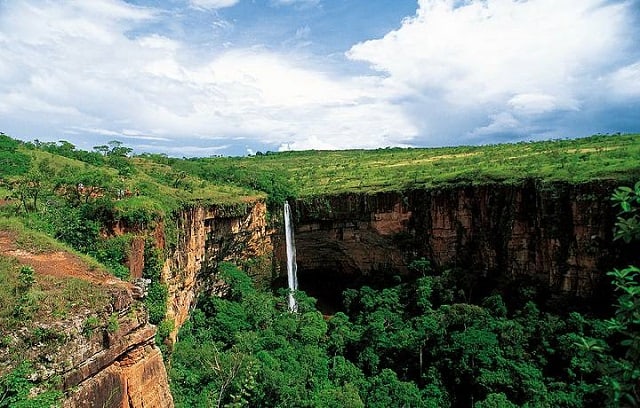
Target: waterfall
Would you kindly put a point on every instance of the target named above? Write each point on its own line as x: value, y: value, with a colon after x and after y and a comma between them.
x: 291, y: 258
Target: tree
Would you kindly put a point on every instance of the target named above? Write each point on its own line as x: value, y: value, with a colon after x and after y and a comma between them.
x: 116, y: 155
x: 386, y: 390
x: 83, y: 186
x: 32, y: 185
x: 495, y: 401
x: 102, y: 149
x: 117, y: 149
x: 625, y: 371
x: 12, y: 161
x: 628, y: 223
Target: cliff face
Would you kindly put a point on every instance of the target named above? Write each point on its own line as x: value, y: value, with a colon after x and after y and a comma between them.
x: 207, y: 236
x: 120, y: 367
x: 560, y: 234
x: 89, y: 330
x: 105, y: 353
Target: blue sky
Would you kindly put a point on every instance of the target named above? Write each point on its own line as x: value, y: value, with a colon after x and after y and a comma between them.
x: 205, y: 77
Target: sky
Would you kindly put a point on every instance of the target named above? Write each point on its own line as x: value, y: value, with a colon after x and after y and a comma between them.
x: 234, y: 77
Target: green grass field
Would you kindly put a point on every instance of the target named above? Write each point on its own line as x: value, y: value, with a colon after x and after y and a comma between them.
x: 329, y: 172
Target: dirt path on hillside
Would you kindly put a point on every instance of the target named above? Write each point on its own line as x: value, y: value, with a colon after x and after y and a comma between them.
x: 58, y: 264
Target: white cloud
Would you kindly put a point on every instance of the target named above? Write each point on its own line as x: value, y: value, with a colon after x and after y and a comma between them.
x: 625, y: 82
x: 455, y: 70
x: 213, y: 4
x: 516, y: 57
x: 298, y: 3
x: 106, y: 81
x: 536, y: 103
x: 500, y: 123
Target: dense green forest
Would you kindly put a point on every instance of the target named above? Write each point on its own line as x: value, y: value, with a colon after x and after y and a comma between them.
x: 416, y: 343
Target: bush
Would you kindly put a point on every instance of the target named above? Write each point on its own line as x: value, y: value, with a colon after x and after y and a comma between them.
x: 113, y: 324
x: 16, y: 390
x: 12, y: 162
x: 138, y: 212
x: 26, y: 278
x: 113, y: 251
x: 91, y: 323
x: 156, y: 302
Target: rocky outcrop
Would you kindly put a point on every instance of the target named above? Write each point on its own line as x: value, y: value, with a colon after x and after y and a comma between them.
x: 86, y: 328
x: 137, y: 379
x: 106, y: 357
x: 120, y: 368
x: 206, y: 236
x: 115, y: 364
x: 558, y: 233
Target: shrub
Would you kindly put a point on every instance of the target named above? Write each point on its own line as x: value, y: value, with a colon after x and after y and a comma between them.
x: 91, y: 323
x: 138, y: 212
x: 156, y: 302
x: 16, y: 390
x: 26, y: 278
x: 113, y: 324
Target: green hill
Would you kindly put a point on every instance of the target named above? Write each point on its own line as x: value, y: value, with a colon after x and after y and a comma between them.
x: 308, y: 173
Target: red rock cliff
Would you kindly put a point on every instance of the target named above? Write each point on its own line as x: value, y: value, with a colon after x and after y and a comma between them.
x: 123, y: 368
x: 558, y: 233
x: 207, y: 236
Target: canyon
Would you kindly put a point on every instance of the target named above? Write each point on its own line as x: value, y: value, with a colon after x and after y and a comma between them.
x: 558, y: 234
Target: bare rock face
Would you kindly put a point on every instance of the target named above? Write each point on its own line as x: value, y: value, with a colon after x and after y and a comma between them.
x: 117, y: 365
x: 135, y: 257
x: 105, y: 358
x: 560, y: 234
x: 207, y: 236
x: 137, y: 379
x: 353, y: 246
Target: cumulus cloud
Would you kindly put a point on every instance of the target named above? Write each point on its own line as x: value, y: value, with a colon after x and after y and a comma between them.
x: 512, y: 60
x: 90, y: 73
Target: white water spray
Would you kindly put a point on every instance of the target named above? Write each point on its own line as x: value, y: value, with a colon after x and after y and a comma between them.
x: 291, y: 258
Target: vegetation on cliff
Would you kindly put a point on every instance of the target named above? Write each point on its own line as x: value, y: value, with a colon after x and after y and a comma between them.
x: 16, y: 390
x: 46, y: 290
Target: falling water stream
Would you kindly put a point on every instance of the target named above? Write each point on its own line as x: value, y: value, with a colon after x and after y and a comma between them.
x: 291, y: 258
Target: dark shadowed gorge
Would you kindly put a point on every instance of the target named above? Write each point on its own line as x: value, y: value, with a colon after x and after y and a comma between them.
x: 558, y: 234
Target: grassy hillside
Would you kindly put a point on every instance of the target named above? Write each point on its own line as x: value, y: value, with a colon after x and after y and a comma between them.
x: 34, y: 174
x: 173, y: 182
x: 309, y: 173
